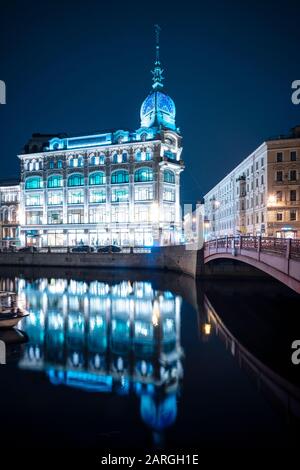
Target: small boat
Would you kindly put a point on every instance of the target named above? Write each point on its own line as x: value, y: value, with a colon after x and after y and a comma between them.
x: 10, y: 312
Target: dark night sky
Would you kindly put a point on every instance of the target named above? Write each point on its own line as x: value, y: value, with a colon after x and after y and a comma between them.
x: 84, y: 66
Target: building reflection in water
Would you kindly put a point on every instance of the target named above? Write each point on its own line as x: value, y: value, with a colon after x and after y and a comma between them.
x: 120, y: 338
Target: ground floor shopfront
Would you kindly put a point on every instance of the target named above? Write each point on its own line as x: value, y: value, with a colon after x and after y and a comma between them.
x: 100, y: 236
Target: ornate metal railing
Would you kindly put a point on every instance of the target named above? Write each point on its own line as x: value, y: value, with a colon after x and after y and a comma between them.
x: 286, y: 247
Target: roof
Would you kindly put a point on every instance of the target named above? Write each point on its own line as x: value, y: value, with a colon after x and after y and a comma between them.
x: 9, y: 182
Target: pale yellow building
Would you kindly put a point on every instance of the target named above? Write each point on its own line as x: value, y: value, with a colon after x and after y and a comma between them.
x: 261, y: 196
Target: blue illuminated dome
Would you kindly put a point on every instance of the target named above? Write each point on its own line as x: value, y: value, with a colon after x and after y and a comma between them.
x: 158, y: 109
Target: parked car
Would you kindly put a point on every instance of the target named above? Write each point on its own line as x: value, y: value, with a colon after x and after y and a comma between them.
x: 29, y: 249
x: 109, y: 249
x: 82, y: 249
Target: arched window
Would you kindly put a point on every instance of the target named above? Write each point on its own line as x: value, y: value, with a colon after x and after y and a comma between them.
x: 169, y: 177
x: 35, y: 182
x: 138, y: 156
x: 119, y: 177
x: 4, y: 214
x: 115, y: 158
x: 75, y: 180
x: 124, y: 157
x: 59, y: 164
x: 94, y: 160
x: 97, y: 178
x: 13, y: 216
x: 148, y: 154
x: 51, y: 165
x: 102, y: 159
x: 75, y: 162
x: 143, y: 175
x: 55, y: 181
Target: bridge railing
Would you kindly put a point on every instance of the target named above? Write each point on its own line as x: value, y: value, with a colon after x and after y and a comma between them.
x: 289, y: 248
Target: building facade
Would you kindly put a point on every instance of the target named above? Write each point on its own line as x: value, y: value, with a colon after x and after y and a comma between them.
x: 9, y: 213
x: 107, y: 188
x: 261, y: 196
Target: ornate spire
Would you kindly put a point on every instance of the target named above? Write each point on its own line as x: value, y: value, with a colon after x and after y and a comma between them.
x: 158, y: 71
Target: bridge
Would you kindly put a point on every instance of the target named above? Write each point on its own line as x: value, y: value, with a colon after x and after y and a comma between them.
x: 278, y: 257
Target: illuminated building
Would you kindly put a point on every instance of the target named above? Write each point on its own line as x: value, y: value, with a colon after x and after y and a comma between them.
x: 120, y: 338
x: 261, y: 196
x: 118, y: 187
x: 9, y: 213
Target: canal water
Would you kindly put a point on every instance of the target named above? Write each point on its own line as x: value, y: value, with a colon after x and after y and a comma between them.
x: 149, y: 360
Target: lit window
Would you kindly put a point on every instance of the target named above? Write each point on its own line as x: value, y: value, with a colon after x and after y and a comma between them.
x: 75, y: 197
x: 54, y: 198
x: 98, y: 196
x: 169, y: 194
x: 34, y: 200
x: 138, y: 156
x: 97, y: 178
x: 120, y: 177
x: 34, y: 183
x: 169, y: 177
x: 76, y: 180
x: 55, y: 181
x: 143, y: 175
x: 143, y: 193
x: 119, y: 195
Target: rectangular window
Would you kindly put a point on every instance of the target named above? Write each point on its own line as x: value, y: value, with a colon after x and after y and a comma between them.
x: 97, y: 215
x: 293, y: 195
x: 76, y: 217
x: 169, y: 194
x: 262, y: 162
x: 75, y: 197
x: 142, y: 213
x: 33, y: 218
x: 119, y: 213
x: 293, y: 175
x: 55, y: 198
x: 279, y: 176
x: 144, y: 193
x: 34, y: 200
x: 55, y: 218
x: 120, y: 195
x: 262, y: 179
x: 169, y: 214
x: 293, y: 214
x: 278, y: 196
x: 293, y: 156
x: 256, y: 165
x: 279, y: 216
x: 279, y: 157
x: 97, y: 196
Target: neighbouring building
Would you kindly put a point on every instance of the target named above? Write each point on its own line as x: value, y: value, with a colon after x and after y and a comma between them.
x: 261, y: 196
x: 9, y: 213
x: 120, y: 187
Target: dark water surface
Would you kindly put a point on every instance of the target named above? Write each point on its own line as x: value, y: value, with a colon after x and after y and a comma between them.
x: 149, y: 360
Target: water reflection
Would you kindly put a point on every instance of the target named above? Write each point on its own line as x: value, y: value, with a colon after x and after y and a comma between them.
x: 121, y: 338
x: 107, y: 338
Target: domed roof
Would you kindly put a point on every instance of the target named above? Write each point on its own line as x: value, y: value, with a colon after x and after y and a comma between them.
x: 158, y: 109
